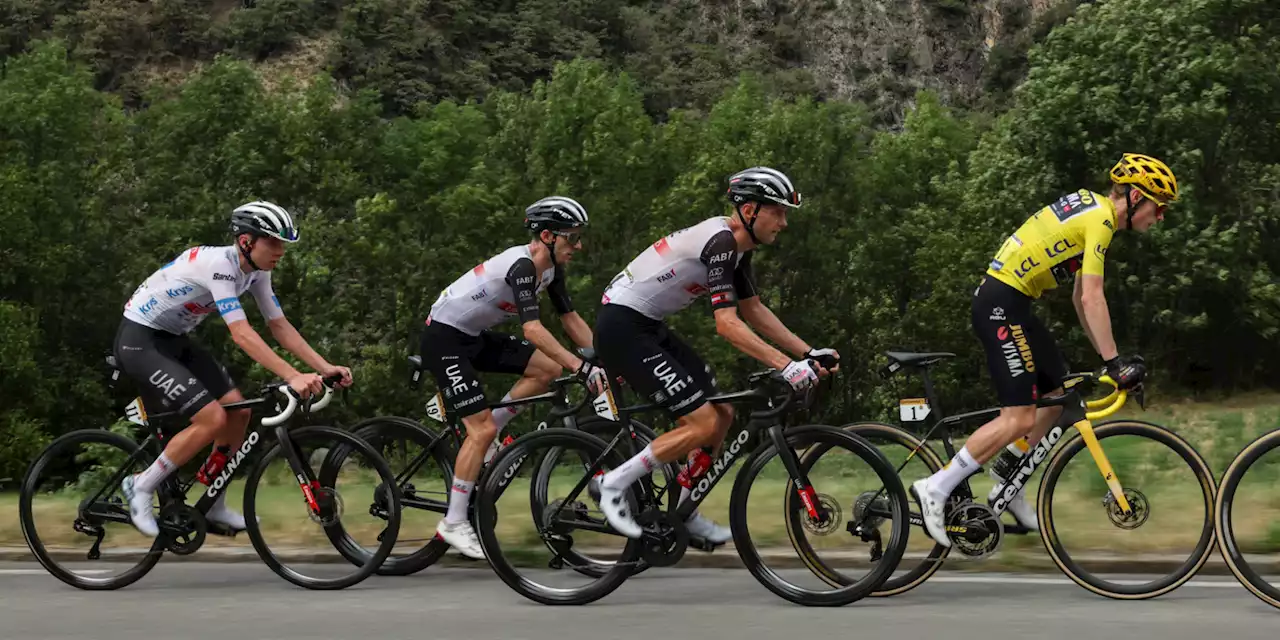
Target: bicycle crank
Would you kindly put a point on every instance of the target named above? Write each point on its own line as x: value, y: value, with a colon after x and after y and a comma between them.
x: 665, y: 538
x: 975, y: 530
x: 185, y: 527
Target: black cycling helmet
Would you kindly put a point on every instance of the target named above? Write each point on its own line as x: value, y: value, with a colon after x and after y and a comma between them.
x: 261, y: 218
x: 762, y: 184
x: 555, y: 213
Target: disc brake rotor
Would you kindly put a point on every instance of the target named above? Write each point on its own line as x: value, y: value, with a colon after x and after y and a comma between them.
x: 1139, y: 509
x: 331, y: 507
x: 830, y: 520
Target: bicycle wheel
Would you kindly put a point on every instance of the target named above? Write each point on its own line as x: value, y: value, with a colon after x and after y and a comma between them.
x: 68, y: 474
x: 566, y: 521
x: 912, y: 458
x: 1254, y: 517
x: 272, y: 482
x: 423, y: 466
x: 861, y: 467
x: 606, y: 430
x: 1157, y: 469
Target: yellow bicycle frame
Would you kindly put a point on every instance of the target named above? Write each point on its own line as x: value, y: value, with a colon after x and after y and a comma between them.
x: 1097, y: 409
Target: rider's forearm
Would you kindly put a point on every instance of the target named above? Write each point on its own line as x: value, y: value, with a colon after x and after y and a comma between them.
x: 1098, y: 318
x: 577, y: 329
x: 289, y: 338
x: 1084, y: 321
x: 262, y: 353
x: 762, y: 319
x: 732, y: 328
x: 545, y: 342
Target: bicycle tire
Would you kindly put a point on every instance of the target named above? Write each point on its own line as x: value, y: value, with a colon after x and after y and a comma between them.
x: 370, y: 430
x: 42, y: 554
x: 1231, y: 551
x: 364, y: 570
x: 605, y: 430
x: 1048, y: 531
x: 486, y: 517
x: 894, y: 585
x: 798, y: 438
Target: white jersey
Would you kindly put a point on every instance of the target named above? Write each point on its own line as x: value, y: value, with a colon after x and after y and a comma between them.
x: 496, y: 290
x: 682, y: 267
x: 178, y: 296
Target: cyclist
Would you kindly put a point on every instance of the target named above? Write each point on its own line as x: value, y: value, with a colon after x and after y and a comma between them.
x: 458, y: 342
x: 633, y: 340
x: 1064, y: 240
x: 152, y: 346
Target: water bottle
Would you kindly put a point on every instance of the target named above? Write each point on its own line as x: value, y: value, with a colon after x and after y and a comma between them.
x: 696, y: 467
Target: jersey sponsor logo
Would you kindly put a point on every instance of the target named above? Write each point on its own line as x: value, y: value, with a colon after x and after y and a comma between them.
x: 149, y: 306
x: 179, y: 292
x: 1073, y: 204
x: 721, y: 297
x: 506, y: 306
x: 996, y: 265
x: 1016, y: 350
x: 276, y: 302
x: 667, y: 276
x: 481, y: 295
x: 525, y: 280
x: 166, y: 384
x: 720, y: 257
x: 457, y: 384
x: 526, y: 295
x: 715, y: 272
x: 662, y: 247
x: 997, y: 313
x: 1060, y: 247
x: 1027, y: 265
x: 223, y: 276
x: 667, y: 376
x: 227, y: 305
x: 1100, y: 250
x: 191, y: 255
x: 1107, y: 224
x: 479, y: 270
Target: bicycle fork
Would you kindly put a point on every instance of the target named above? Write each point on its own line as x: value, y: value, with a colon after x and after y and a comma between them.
x: 1104, y: 466
x: 804, y: 488
x: 301, y: 472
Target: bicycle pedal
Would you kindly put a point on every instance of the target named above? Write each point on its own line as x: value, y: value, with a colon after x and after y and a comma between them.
x: 704, y: 545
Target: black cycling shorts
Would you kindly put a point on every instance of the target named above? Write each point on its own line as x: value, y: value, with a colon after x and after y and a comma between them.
x: 172, y: 371
x: 1022, y: 357
x: 454, y: 358
x: 652, y: 360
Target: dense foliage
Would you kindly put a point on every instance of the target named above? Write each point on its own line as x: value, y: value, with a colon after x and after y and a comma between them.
x: 896, y: 228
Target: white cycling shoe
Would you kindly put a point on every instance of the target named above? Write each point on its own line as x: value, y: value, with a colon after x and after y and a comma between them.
x: 933, y: 511
x: 140, y: 513
x: 613, y: 502
x: 1023, y: 512
x: 461, y: 536
x: 703, y: 527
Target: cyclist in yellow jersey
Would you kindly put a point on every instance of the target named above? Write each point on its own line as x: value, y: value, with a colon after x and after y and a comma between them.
x: 1066, y: 240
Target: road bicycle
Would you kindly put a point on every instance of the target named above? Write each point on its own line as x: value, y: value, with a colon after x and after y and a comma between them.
x: 1115, y: 487
x: 666, y: 537
x: 422, y: 460
x: 80, y: 474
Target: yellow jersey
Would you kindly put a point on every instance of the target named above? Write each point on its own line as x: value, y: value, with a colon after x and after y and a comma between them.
x: 1066, y: 236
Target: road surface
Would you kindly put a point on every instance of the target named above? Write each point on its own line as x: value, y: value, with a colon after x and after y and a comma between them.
x: 197, y: 601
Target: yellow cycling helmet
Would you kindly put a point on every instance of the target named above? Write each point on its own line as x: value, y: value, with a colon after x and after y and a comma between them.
x: 1152, y: 177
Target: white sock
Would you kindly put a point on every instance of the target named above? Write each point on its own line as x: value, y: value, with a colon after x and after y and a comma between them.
x: 459, y: 497
x: 148, y: 480
x: 685, y: 492
x: 942, y: 483
x: 503, y: 415
x: 220, y: 505
x: 637, y: 467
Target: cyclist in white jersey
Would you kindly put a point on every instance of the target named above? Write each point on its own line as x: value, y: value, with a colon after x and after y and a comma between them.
x: 633, y: 340
x: 457, y: 343
x: 152, y: 346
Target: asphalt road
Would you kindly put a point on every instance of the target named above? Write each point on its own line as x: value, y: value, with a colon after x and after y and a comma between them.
x: 244, y: 600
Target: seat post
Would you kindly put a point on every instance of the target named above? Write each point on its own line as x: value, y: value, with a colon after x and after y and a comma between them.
x: 935, y: 407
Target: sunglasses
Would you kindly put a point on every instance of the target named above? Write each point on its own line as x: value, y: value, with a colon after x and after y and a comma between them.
x: 574, y: 237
